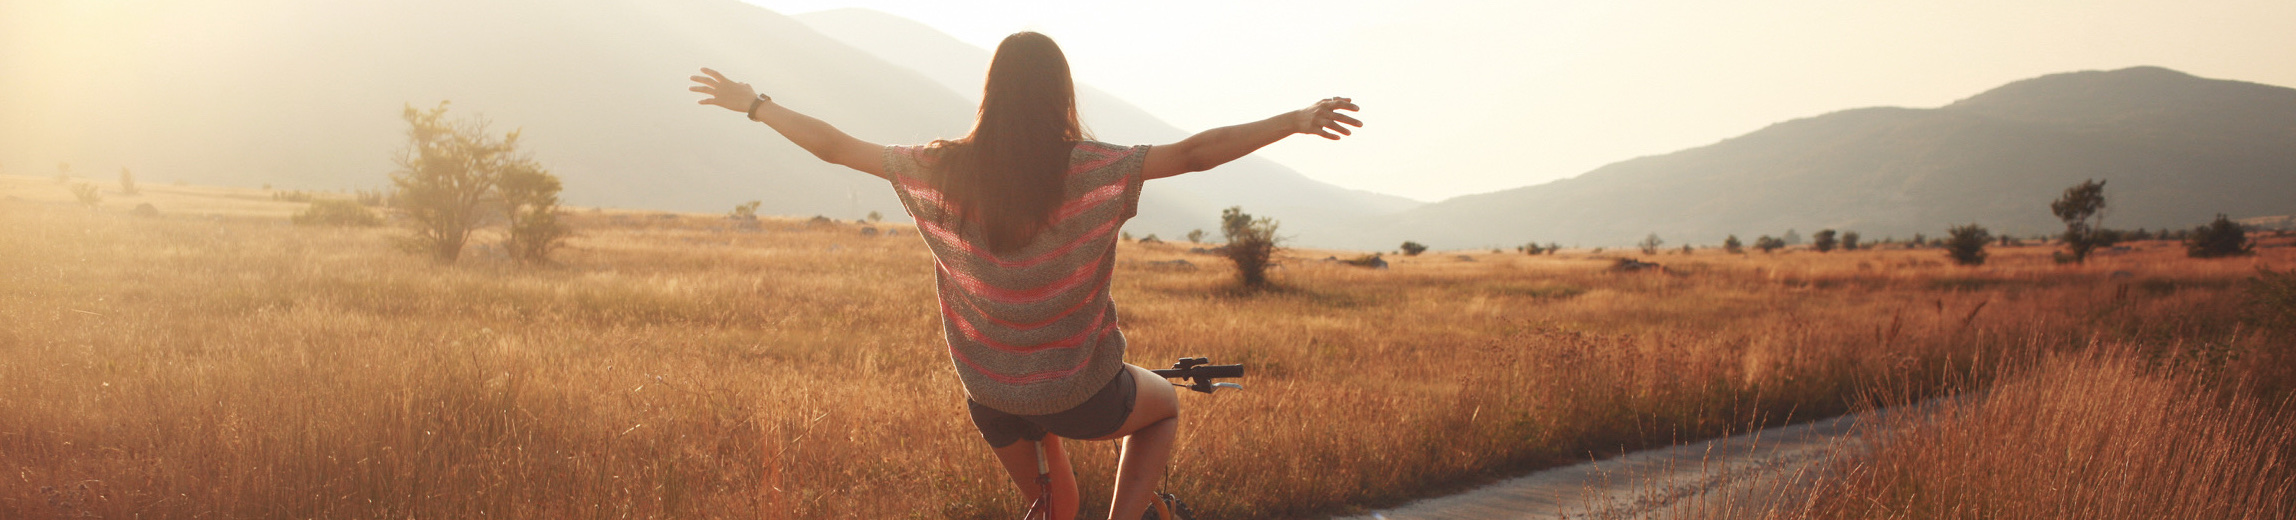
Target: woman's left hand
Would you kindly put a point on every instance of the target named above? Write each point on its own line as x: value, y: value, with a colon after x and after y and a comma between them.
x: 1323, y: 118
x: 724, y: 92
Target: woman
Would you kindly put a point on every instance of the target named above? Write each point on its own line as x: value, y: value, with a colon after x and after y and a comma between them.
x: 1022, y: 218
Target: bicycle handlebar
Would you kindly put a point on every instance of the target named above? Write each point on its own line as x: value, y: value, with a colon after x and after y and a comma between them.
x: 1199, y: 372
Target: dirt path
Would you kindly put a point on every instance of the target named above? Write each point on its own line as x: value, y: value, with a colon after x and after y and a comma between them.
x: 1647, y: 483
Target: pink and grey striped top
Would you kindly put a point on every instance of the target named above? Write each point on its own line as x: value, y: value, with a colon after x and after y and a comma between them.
x: 1031, y: 331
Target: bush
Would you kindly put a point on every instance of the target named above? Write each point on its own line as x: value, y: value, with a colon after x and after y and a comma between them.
x: 1966, y: 244
x: 1251, y: 244
x: 1850, y: 241
x: 530, y: 201
x: 128, y: 183
x: 746, y: 211
x: 2082, y: 208
x: 1769, y: 244
x: 1413, y: 248
x: 371, y: 198
x: 87, y: 194
x: 1649, y: 244
x: 1151, y: 239
x: 1371, y: 260
x: 335, y: 212
x: 1196, y: 236
x: 1733, y: 246
x: 2218, y: 239
x: 145, y: 210
x: 1823, y: 241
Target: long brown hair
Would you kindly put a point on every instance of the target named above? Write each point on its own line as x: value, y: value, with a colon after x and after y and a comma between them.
x: 1008, y: 175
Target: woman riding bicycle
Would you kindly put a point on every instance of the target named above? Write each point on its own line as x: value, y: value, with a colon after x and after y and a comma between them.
x: 1022, y: 217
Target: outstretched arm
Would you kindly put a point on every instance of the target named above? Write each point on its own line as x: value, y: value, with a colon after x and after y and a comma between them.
x: 1217, y: 146
x: 814, y: 135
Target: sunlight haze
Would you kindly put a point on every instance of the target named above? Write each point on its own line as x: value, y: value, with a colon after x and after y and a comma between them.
x: 1470, y: 97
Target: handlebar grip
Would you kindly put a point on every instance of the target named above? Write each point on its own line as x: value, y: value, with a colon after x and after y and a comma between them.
x: 1219, y: 371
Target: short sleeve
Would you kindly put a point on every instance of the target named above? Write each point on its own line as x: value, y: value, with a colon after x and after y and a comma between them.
x: 902, y: 162
x: 1135, y: 168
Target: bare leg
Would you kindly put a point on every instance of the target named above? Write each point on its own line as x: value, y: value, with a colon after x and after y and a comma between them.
x: 1019, y: 459
x: 1148, y: 438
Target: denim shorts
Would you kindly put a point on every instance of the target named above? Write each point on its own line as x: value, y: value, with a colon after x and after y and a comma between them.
x: 1100, y: 415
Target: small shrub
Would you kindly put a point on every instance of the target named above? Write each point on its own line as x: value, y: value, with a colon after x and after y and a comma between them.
x: 1371, y: 260
x: 146, y: 210
x: 371, y: 198
x: 1967, y: 244
x: 87, y: 194
x: 2219, y: 239
x: 1151, y: 239
x: 530, y: 200
x: 128, y: 183
x: 1850, y: 241
x: 1196, y: 236
x: 1769, y: 244
x: 1413, y: 248
x: 1251, y: 244
x: 748, y: 211
x: 1823, y: 241
x: 1530, y: 249
x: 292, y: 196
x: 876, y: 217
x: 336, y: 212
x: 1733, y: 246
x: 1649, y: 244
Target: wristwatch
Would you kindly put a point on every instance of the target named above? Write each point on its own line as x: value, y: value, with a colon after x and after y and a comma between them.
x: 753, y: 104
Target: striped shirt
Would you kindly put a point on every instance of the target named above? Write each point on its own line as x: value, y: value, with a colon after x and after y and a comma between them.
x: 1031, y: 331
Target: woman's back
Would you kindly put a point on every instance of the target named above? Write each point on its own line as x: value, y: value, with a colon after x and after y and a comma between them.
x: 1031, y: 330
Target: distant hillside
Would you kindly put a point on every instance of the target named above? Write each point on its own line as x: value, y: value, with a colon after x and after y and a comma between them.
x: 307, y: 95
x: 1313, y: 212
x: 2175, y: 150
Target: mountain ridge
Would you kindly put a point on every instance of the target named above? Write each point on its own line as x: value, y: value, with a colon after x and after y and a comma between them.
x: 2176, y: 149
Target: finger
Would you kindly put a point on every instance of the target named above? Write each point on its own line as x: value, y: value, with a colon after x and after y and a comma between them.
x: 1344, y: 119
x: 1336, y: 127
x: 704, y: 81
x: 715, y: 74
x: 1326, y: 135
x: 704, y: 90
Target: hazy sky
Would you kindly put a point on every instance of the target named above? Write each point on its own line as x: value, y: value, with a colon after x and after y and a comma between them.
x: 1473, y: 96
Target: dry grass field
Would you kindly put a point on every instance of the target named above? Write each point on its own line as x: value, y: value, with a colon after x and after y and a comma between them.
x: 217, y: 362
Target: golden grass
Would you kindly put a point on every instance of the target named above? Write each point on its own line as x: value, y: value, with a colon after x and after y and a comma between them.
x: 2114, y: 432
x: 688, y: 367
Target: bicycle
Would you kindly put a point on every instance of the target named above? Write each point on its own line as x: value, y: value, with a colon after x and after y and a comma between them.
x: 1200, y: 375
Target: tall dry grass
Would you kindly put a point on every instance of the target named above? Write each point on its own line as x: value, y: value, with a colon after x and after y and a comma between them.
x: 2113, y: 432
x: 686, y: 367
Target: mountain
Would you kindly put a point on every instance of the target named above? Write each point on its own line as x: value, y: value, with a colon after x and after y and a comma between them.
x: 307, y: 95
x: 2174, y: 149
x: 1313, y: 212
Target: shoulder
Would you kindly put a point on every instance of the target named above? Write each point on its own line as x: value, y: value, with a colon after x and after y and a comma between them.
x: 1095, y: 155
x: 1101, y: 149
x: 915, y: 160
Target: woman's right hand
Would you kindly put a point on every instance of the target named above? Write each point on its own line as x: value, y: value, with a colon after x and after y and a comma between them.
x: 1323, y: 118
